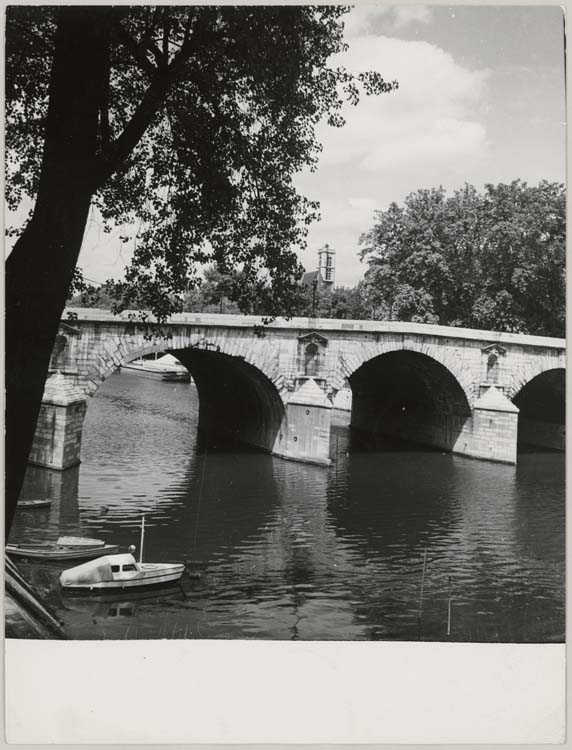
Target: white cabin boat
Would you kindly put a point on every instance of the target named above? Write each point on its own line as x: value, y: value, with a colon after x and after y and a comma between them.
x: 166, y: 367
x: 117, y: 572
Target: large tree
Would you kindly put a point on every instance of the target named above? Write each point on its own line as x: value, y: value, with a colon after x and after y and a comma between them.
x: 189, y: 120
x: 493, y: 259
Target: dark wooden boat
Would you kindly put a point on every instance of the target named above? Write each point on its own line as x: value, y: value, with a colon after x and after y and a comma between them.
x: 34, y: 503
x: 66, y: 548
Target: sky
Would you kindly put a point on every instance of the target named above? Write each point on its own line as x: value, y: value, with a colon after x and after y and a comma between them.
x: 480, y: 99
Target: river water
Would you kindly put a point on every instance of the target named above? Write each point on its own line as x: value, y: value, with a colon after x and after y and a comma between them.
x: 387, y: 545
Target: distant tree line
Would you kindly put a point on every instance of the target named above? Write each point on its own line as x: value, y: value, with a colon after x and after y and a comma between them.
x: 493, y: 259
x: 216, y: 292
x: 225, y: 293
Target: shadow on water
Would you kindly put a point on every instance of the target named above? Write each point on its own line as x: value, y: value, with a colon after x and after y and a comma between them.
x: 61, y: 517
x: 362, y: 441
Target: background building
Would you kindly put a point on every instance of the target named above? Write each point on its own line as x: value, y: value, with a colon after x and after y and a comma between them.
x: 326, y: 273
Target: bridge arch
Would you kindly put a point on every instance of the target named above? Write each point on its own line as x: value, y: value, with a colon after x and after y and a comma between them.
x: 259, y: 352
x: 407, y: 394
x: 532, y: 368
x: 367, y: 351
x: 241, y: 391
x: 542, y: 405
x: 237, y: 401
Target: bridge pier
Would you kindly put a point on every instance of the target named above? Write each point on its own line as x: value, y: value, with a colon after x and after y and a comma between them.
x: 488, y: 431
x: 307, y: 426
x: 492, y: 431
x: 57, y: 441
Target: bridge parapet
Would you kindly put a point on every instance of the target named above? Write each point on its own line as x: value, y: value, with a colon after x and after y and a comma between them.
x: 74, y: 316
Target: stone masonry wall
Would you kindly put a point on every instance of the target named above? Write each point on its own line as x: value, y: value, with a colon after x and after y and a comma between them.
x: 57, y: 441
x: 493, y: 436
x: 97, y: 343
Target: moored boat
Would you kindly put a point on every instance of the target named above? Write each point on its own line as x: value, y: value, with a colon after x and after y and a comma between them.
x: 65, y: 548
x: 117, y: 572
x: 36, y: 503
x: 164, y: 368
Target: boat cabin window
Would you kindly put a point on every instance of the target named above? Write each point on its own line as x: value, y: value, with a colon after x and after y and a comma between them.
x: 115, y: 568
x: 128, y: 567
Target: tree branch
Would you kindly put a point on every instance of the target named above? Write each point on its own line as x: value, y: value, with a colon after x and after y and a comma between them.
x: 149, y: 43
x: 135, y: 49
x: 152, y: 101
x: 188, y: 26
x: 105, y: 129
x: 165, y: 37
x: 120, y: 149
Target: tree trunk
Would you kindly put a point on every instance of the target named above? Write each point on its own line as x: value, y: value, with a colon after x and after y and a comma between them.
x: 41, y: 265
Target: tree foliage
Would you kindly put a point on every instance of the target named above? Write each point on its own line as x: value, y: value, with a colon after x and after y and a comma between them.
x: 188, y: 122
x: 204, y: 115
x: 493, y: 259
x: 215, y: 292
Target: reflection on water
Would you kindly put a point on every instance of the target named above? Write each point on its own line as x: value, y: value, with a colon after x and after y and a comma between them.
x: 293, y: 551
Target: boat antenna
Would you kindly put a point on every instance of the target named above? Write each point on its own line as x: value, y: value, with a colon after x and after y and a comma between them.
x: 142, y: 537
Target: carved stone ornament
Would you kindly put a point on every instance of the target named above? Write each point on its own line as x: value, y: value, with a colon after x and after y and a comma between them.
x: 313, y: 338
x: 495, y: 349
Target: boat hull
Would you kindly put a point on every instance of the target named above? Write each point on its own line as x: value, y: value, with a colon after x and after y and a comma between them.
x: 34, y: 503
x: 49, y: 553
x: 157, y: 374
x: 153, y: 578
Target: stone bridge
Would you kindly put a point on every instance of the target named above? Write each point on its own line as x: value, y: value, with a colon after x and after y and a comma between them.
x: 476, y: 393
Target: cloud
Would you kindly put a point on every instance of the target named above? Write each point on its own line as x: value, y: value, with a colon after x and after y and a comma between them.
x: 405, y: 15
x: 429, y: 132
x: 417, y: 147
x: 368, y: 19
x: 361, y: 18
x: 433, y: 116
x: 343, y: 214
x: 343, y: 222
x: 103, y: 255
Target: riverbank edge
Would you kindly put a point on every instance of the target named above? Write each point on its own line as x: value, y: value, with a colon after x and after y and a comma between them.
x: 29, y: 605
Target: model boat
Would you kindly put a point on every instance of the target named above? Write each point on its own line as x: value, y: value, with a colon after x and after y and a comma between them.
x: 117, y: 572
x: 38, y: 503
x: 65, y: 548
